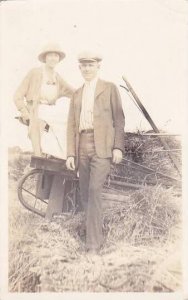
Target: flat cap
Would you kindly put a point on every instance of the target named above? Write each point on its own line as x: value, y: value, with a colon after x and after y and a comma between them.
x: 89, y: 56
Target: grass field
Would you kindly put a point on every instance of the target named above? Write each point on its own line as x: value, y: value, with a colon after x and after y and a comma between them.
x: 141, y: 253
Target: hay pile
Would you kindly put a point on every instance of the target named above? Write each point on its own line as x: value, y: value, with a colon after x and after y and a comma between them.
x: 147, y: 216
x: 141, y: 250
x: 148, y: 151
x: 142, y: 230
x: 18, y: 162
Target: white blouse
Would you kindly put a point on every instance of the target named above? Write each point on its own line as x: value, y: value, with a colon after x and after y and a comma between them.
x: 48, y: 93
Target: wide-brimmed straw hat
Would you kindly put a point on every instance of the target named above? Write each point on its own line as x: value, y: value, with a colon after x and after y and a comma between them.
x: 51, y: 47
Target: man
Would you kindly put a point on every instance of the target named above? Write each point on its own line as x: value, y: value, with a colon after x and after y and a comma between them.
x: 95, y: 137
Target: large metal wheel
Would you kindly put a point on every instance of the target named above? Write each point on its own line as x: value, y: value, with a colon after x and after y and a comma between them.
x: 27, y: 193
x: 36, y: 200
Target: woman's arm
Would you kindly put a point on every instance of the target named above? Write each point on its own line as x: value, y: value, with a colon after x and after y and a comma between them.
x: 66, y: 90
x: 20, y: 95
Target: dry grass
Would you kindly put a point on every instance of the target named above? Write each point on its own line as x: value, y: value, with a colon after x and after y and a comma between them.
x: 141, y: 250
x: 141, y: 253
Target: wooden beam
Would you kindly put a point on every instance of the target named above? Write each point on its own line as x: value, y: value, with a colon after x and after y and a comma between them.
x: 153, y: 125
x: 161, y: 134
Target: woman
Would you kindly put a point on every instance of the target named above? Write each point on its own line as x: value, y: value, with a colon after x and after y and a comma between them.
x: 36, y: 96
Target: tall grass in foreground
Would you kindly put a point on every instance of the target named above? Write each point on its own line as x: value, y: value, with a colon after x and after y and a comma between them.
x: 141, y: 251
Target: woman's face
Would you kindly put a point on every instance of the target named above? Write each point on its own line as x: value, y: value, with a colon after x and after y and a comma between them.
x: 52, y: 59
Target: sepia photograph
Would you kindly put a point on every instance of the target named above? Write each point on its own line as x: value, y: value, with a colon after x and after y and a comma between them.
x: 93, y: 147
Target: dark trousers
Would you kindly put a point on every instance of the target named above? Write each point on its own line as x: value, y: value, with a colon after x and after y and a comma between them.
x: 92, y: 174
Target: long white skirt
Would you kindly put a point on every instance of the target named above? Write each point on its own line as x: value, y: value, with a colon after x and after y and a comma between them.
x: 54, y: 142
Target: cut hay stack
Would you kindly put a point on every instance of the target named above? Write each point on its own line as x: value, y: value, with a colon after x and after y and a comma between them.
x: 142, y: 230
x: 148, y: 151
x: 141, y: 252
x: 145, y: 217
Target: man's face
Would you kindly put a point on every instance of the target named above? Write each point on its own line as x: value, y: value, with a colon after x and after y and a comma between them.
x: 52, y: 58
x: 89, y: 69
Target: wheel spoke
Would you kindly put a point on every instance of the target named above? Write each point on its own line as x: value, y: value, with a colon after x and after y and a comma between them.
x: 27, y: 193
x: 30, y: 193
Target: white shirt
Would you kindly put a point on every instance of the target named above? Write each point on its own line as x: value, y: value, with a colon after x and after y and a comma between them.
x: 48, y: 92
x: 88, y: 97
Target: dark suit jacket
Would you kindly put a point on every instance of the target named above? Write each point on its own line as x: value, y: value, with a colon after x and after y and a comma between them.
x: 108, y: 120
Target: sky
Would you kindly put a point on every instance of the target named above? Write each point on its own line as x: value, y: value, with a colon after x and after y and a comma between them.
x: 143, y: 40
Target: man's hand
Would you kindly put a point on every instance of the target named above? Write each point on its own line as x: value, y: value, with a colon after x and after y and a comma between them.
x: 70, y: 163
x: 117, y: 156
